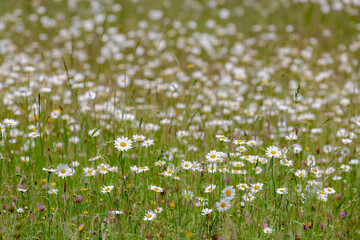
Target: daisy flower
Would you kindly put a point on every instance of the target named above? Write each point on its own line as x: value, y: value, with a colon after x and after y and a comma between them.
x: 345, y: 168
x: 241, y: 149
x: 123, y: 143
x: 62, y: 170
x: 251, y: 143
x: 34, y: 134
x: 329, y: 191
x: 159, y: 163
x: 268, y: 230
x: 222, y: 138
x: 223, y: 205
x: 258, y: 170
x: 210, y: 188
x: 310, y: 160
x: 107, y: 189
x: 25, y: 158
x: 144, y: 169
x: 196, y: 167
x: 272, y: 151
x: 89, y: 172
x: 228, y: 192
x: 138, y: 138
x: 148, y: 143
x: 10, y: 122
x: 103, y: 168
x: 328, y: 148
x: 301, y: 173
x: 181, y: 134
x: 20, y: 210
x: 239, y: 142
x: 346, y: 140
x: 291, y: 136
x: 255, y: 187
x: 212, y: 156
x: 206, y: 211
x: 186, y: 165
x: 134, y: 169
x: 238, y: 164
x: 150, y: 216
x: 156, y: 188
x: 281, y: 191
x: 188, y: 194
x: 248, y: 197
x: 337, y: 178
x: 94, y: 132
x: 94, y: 158
x: 158, y: 210
x: 286, y: 162
x: 212, y: 168
x: 123, y: 81
x: 242, y: 186
x: 53, y: 191
x: 322, y: 198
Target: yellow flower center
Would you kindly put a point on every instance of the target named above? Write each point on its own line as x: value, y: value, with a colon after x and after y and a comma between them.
x: 223, y: 205
x: 228, y: 192
x: 63, y: 171
x: 123, y: 144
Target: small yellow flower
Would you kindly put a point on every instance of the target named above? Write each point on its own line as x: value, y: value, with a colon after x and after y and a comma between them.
x: 44, y: 180
x: 128, y: 185
x: 172, y: 204
x: 52, y: 209
x: 307, y: 148
x: 54, y: 183
x: 188, y: 235
x: 86, y: 212
x: 81, y: 227
x: 309, y: 224
x: 83, y: 189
